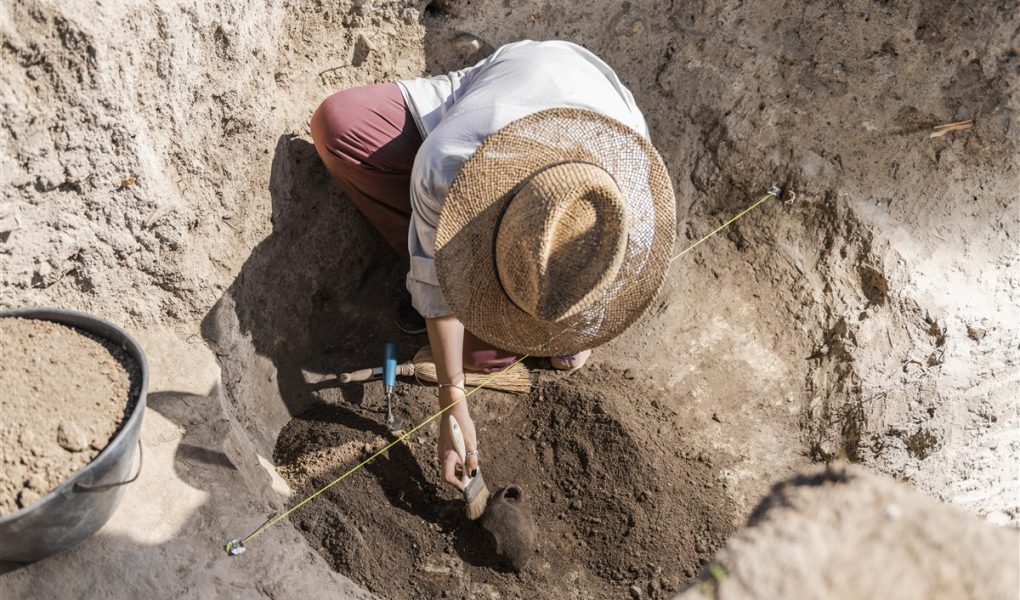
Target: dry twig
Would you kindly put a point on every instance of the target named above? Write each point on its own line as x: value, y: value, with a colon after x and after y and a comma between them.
x: 941, y: 130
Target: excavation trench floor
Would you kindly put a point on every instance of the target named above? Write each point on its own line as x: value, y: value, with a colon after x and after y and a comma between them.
x: 619, y: 497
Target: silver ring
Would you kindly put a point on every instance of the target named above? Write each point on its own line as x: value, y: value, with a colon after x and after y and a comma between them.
x: 472, y: 453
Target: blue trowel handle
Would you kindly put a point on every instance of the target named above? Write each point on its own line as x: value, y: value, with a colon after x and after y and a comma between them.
x: 390, y: 365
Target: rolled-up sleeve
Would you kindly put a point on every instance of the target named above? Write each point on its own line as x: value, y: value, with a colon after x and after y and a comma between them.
x: 421, y: 278
x: 429, y: 182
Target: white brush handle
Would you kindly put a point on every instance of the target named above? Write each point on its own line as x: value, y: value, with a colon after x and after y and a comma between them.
x: 458, y: 445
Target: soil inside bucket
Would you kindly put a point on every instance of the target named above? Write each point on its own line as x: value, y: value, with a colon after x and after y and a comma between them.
x: 621, y: 501
x: 65, y: 394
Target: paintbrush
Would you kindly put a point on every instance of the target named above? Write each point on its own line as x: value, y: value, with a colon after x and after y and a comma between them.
x: 476, y: 494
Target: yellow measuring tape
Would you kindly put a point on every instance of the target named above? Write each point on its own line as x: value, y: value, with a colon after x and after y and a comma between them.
x: 235, y: 547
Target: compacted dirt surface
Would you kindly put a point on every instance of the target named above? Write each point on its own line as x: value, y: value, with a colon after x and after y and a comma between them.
x: 620, y: 497
x: 64, y: 394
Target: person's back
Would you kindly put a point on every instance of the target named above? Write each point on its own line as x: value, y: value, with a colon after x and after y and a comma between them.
x: 521, y: 78
x: 530, y: 176
x: 456, y: 113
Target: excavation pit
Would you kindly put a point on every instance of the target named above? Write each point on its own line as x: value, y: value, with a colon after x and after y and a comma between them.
x: 161, y: 174
x: 620, y: 499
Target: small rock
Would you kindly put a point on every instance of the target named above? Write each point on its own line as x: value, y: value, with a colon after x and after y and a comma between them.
x: 628, y: 374
x: 44, y: 269
x: 365, y: 43
x: 467, y: 45
x: 635, y: 592
x: 10, y: 220
x: 975, y: 333
x: 575, y: 505
x: 72, y: 438
x: 35, y: 482
x: 27, y: 497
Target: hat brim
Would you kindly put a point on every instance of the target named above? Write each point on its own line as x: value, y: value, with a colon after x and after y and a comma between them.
x: 477, y: 198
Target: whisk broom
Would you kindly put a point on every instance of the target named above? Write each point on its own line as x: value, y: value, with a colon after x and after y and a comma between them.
x: 514, y: 379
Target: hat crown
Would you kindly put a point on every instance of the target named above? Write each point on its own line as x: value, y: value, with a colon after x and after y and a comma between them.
x: 562, y: 240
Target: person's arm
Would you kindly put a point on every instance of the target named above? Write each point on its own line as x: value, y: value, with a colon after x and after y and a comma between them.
x: 446, y: 336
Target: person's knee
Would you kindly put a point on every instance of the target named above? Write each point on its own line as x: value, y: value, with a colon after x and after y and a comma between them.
x: 333, y: 125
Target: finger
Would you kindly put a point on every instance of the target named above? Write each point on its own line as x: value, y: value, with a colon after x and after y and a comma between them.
x: 450, y: 463
x: 472, y: 463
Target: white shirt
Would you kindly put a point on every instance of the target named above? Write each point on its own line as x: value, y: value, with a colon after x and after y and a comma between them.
x: 457, y: 111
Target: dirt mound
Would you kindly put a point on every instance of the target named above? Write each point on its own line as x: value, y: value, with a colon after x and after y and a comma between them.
x: 65, y: 394
x: 619, y: 498
x: 844, y: 532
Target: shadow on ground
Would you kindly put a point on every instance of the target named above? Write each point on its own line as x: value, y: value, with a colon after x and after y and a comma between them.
x: 211, y: 489
x: 315, y: 298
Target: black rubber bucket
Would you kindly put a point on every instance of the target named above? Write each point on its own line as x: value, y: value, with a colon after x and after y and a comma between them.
x: 83, y: 503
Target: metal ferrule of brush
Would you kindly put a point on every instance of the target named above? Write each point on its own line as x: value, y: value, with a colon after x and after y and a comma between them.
x: 476, y: 483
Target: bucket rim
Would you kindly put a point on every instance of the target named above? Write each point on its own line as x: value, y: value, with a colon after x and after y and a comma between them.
x: 83, y: 320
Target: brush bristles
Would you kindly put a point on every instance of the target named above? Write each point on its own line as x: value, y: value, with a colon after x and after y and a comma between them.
x: 475, y: 507
x: 514, y: 379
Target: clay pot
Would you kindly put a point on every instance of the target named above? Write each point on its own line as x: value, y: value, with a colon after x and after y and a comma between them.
x: 511, y: 526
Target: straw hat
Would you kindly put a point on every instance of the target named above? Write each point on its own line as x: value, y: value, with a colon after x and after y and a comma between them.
x: 556, y: 233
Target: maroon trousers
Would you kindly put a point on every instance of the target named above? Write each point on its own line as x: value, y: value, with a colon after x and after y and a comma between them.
x: 367, y: 139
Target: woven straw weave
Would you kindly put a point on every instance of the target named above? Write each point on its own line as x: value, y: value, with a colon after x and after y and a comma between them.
x: 591, y: 311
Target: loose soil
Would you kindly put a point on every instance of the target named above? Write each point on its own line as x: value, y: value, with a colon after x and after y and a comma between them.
x: 64, y: 397
x: 619, y: 497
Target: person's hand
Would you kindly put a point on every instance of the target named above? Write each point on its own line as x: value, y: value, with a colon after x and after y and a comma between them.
x: 446, y: 337
x: 450, y: 465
